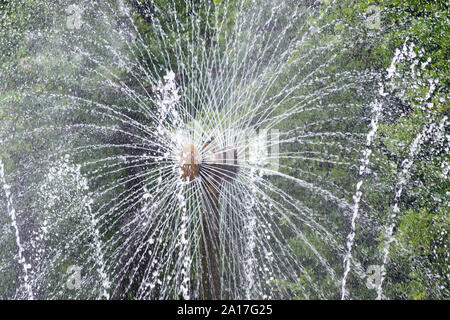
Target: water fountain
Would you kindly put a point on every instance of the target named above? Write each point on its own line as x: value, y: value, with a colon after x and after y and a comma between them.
x: 194, y: 150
